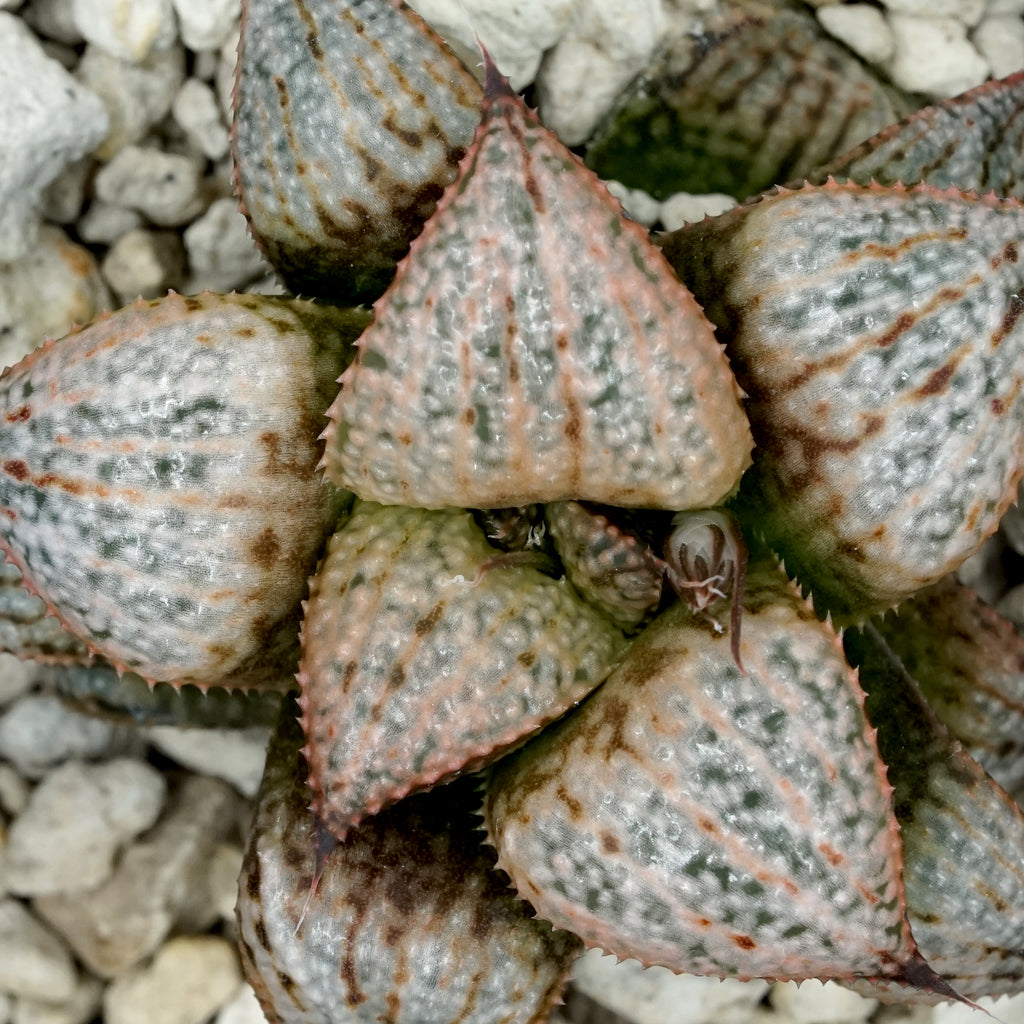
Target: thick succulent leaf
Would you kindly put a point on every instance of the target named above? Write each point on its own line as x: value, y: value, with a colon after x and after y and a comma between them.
x: 755, y: 97
x: 876, y: 332
x: 350, y: 119
x: 420, y: 659
x: 25, y: 627
x: 542, y: 348
x: 612, y: 568
x: 972, y: 142
x: 711, y: 821
x: 406, y: 921
x: 969, y: 663
x: 963, y: 837
x: 158, y: 486
x: 98, y: 689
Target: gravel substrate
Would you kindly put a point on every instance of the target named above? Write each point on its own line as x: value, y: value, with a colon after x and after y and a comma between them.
x: 120, y: 844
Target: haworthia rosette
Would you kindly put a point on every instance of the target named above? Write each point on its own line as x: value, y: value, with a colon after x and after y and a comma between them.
x: 972, y: 142
x: 158, y: 484
x: 350, y: 119
x: 969, y: 663
x: 542, y: 348
x: 406, y: 921
x: 750, y: 97
x: 963, y: 837
x: 877, y: 332
x: 711, y: 821
x: 423, y: 656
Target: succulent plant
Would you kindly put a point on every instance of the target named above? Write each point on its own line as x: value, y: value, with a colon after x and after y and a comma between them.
x: 536, y: 429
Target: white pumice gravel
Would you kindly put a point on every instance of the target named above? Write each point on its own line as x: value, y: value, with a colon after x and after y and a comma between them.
x: 76, y: 821
x: 1000, y: 40
x: 197, y: 112
x: 131, y: 161
x: 517, y: 35
x: 44, y: 294
x: 129, y: 29
x: 49, y: 120
x: 136, y: 94
x: 143, y: 264
x: 207, y: 24
x: 165, y: 187
x: 934, y: 56
x: 189, y: 980
x: 862, y: 27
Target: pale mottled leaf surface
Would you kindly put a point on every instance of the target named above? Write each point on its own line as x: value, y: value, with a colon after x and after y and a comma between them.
x: 350, y: 119
x: 25, y: 627
x: 421, y: 659
x: 713, y: 822
x: 969, y: 663
x: 963, y: 837
x: 974, y: 142
x: 877, y: 334
x: 752, y: 97
x: 408, y: 921
x: 611, y: 567
x: 158, y: 485
x: 542, y: 348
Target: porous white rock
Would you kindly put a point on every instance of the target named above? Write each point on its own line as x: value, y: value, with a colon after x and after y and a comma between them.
x: 34, y: 963
x: 685, y: 208
x: 52, y: 287
x: 244, y: 1008
x: 1008, y: 1010
x: 104, y: 223
x: 605, y: 44
x: 136, y: 95
x: 143, y: 263
x: 999, y: 7
x: 1011, y: 606
x: 235, y: 755
x: 49, y: 121
x: 197, y: 113
x: 816, y: 1002
x: 76, y: 820
x: 14, y: 791
x: 161, y: 882
x: 516, y: 35
x: 934, y: 56
x: 968, y: 12
x: 16, y: 676
x: 657, y: 996
x: 129, y: 29
x: 636, y: 203
x: 206, y: 24
x: 62, y: 200
x: 189, y: 980
x: 861, y: 27
x: 1000, y: 40
x: 162, y: 186
x: 221, y: 252
x: 52, y: 19
x: 38, y: 732
x: 79, y: 1008
x: 223, y: 869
